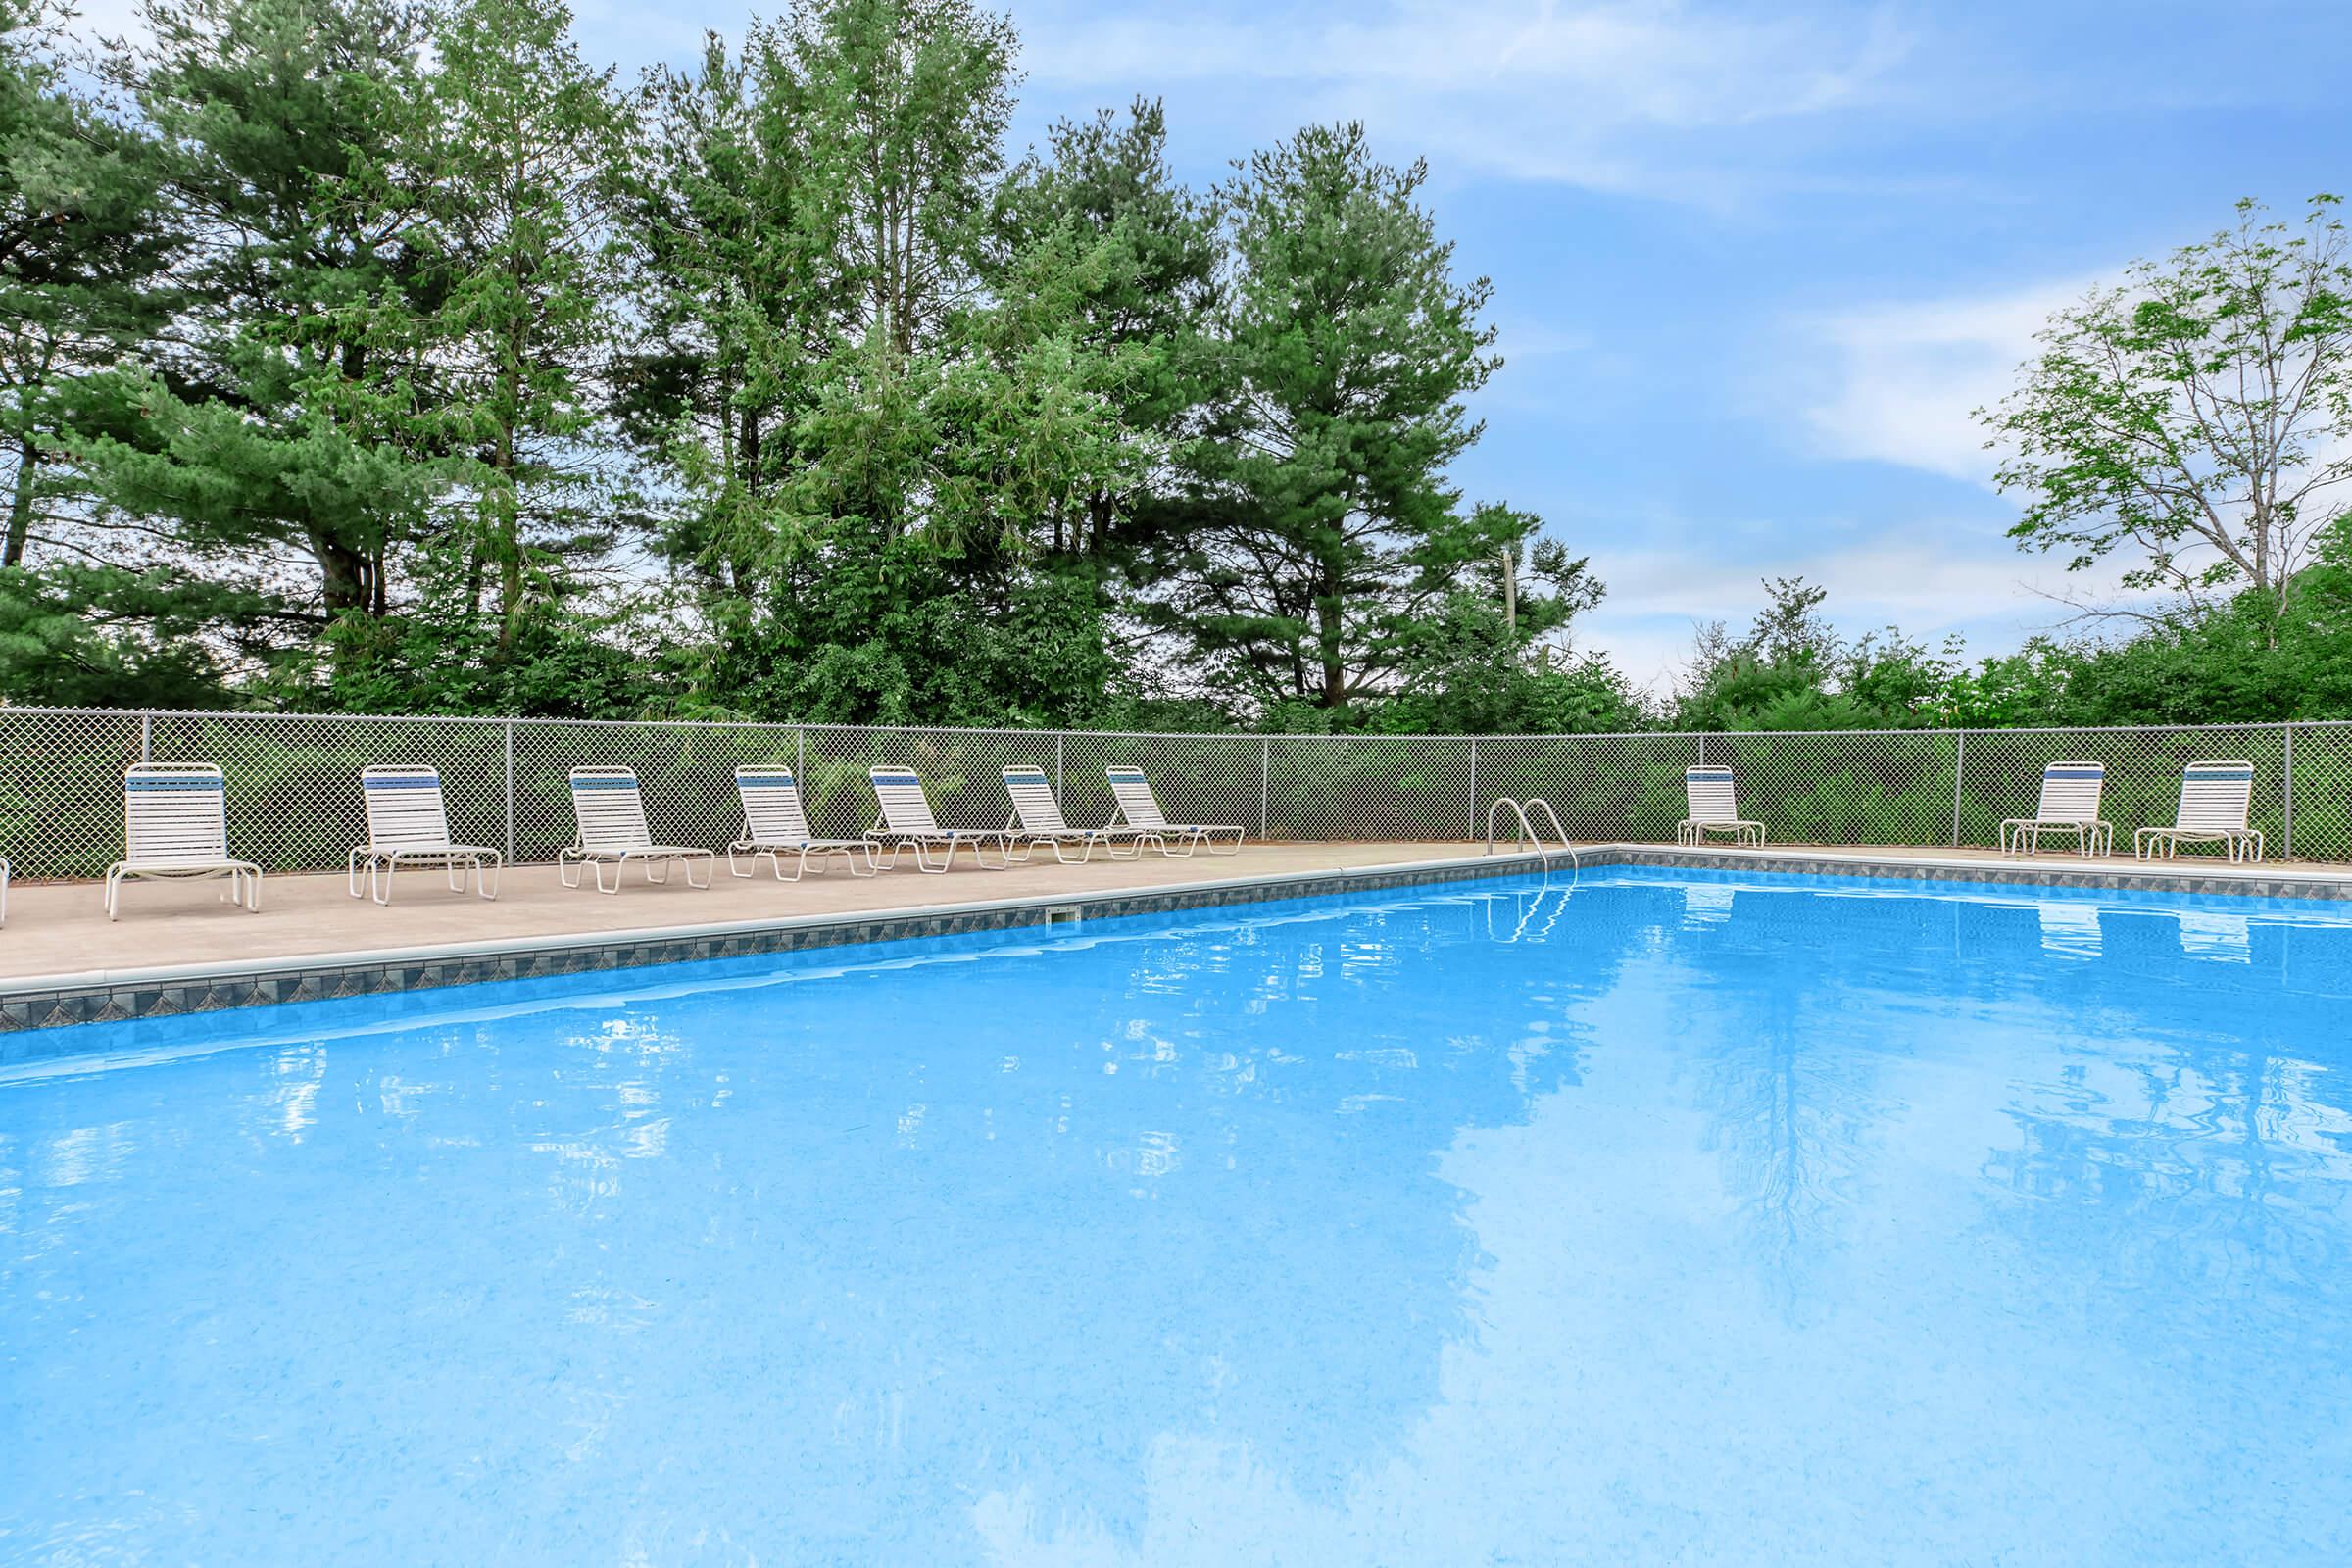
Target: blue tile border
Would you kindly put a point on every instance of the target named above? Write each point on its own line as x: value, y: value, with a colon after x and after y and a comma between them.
x: 165, y: 996
x: 2042, y: 871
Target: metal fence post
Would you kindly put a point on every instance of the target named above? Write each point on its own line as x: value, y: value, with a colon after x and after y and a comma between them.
x: 509, y: 727
x: 800, y: 757
x: 1057, y: 764
x: 1265, y: 769
x: 2286, y: 798
x: 146, y: 737
x: 1474, y: 786
x: 1959, y: 755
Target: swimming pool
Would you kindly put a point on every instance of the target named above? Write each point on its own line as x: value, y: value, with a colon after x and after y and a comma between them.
x: 1656, y: 1217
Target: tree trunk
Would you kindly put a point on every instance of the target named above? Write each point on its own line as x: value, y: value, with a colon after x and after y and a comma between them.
x: 742, y: 564
x: 20, y: 502
x: 507, y: 540
x: 345, y: 582
x: 1335, y: 673
x: 748, y: 448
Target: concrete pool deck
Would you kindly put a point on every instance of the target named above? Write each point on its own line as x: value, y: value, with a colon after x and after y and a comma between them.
x: 179, y: 949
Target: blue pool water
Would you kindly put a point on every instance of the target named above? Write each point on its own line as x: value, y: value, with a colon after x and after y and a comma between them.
x: 1655, y: 1219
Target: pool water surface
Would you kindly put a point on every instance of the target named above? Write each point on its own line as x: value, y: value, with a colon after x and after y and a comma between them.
x: 1652, y: 1217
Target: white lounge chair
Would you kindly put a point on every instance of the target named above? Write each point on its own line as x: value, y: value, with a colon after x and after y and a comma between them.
x: 1712, y: 799
x: 1037, y: 819
x: 2215, y: 798
x: 610, y: 813
x: 176, y: 825
x: 2069, y: 804
x: 408, y: 823
x: 776, y: 824
x: 1139, y: 809
x: 907, y: 822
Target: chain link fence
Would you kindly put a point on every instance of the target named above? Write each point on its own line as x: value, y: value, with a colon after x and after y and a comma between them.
x: 294, y: 799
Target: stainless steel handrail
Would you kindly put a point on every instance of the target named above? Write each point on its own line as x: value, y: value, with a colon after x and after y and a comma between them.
x: 1538, y: 801
x: 1527, y: 829
x: 1526, y: 833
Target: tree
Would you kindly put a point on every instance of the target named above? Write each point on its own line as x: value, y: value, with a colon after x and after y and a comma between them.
x: 80, y: 244
x: 1491, y: 656
x: 518, y: 155
x: 1321, y: 519
x: 284, y: 408
x: 907, y: 100
x: 1792, y: 671
x: 731, y: 230
x: 2199, y: 417
x: 1104, y: 218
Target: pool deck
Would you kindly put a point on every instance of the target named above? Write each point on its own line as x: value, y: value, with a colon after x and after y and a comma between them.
x: 177, y: 948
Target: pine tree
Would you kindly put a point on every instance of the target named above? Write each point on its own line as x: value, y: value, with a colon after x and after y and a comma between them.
x: 1138, y: 257
x: 286, y: 413
x: 81, y: 241
x: 907, y: 103
x: 519, y: 155
x: 1322, y: 518
x: 731, y: 234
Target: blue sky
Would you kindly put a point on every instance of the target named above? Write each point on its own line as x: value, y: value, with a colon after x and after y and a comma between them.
x: 1754, y: 263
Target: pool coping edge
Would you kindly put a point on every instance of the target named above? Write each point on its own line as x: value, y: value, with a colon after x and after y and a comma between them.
x: 59, y: 1001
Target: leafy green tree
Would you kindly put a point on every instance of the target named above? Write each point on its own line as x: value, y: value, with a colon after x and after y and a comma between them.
x: 2256, y: 658
x: 516, y: 155
x: 732, y: 230
x: 1321, y: 522
x: 1792, y: 671
x: 2199, y: 417
x: 1105, y: 238
x: 922, y: 434
x: 907, y: 103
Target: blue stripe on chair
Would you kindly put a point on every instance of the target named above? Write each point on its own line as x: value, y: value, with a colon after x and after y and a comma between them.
x: 1707, y: 775
x: 405, y: 781
x: 767, y: 781
x: 604, y: 783
x: 1037, y: 773
x: 161, y: 784
x: 2221, y: 772
x: 2073, y: 772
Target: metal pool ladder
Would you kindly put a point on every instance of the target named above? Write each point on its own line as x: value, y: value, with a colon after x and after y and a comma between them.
x: 1525, y: 833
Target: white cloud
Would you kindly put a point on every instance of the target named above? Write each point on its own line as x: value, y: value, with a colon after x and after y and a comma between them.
x: 1656, y: 96
x: 1899, y: 382
x: 1940, y: 576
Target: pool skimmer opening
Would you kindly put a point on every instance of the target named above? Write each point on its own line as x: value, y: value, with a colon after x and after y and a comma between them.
x: 1064, y: 914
